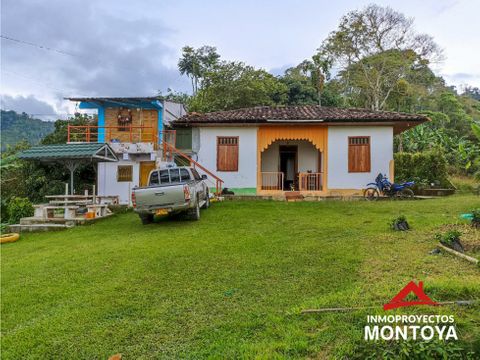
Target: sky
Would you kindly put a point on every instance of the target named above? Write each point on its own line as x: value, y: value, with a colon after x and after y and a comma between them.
x: 131, y: 48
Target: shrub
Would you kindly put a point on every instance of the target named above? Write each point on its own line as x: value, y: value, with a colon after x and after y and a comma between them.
x: 18, y: 208
x: 424, y: 168
x: 399, y: 223
x: 449, y: 237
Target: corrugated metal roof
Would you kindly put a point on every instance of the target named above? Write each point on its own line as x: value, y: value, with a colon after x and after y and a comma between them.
x: 83, y: 151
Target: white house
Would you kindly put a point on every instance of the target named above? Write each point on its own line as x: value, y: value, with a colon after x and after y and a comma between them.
x: 262, y: 150
x: 315, y: 150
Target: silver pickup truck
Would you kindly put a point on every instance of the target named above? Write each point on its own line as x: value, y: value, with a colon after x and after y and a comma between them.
x: 171, y: 191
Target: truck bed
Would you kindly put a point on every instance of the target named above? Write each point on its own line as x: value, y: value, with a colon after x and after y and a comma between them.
x: 160, y: 197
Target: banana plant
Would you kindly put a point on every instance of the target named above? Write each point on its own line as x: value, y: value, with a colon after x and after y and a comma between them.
x: 476, y: 130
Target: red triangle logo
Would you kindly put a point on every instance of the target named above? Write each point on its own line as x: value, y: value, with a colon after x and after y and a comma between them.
x: 399, y: 299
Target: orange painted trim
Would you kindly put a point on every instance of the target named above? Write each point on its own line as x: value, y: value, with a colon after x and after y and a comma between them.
x: 391, y: 171
x: 316, y: 134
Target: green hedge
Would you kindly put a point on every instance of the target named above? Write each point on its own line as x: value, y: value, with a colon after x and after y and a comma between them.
x: 424, y: 168
x: 19, y: 208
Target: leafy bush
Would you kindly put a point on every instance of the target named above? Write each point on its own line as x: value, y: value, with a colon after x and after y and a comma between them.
x: 449, y: 237
x: 423, y: 168
x: 18, y: 208
x: 399, y: 223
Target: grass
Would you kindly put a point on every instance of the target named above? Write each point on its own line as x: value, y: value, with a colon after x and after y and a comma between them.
x: 231, y: 285
x: 466, y: 184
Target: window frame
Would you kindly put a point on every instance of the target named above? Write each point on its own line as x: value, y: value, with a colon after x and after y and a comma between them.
x: 237, y: 138
x: 182, y: 179
x: 160, y: 176
x: 351, y: 168
x: 121, y: 178
x: 151, y: 176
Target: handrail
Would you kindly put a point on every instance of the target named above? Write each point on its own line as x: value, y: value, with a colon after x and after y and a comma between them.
x: 87, y: 135
x: 310, y: 181
x: 219, y: 181
x: 272, y: 180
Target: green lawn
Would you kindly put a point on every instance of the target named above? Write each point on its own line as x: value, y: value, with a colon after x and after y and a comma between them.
x: 230, y: 285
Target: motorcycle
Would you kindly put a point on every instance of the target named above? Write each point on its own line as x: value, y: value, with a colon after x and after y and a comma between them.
x: 383, y: 187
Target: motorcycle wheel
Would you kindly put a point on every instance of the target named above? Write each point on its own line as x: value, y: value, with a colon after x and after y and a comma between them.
x: 407, y: 194
x: 371, y: 194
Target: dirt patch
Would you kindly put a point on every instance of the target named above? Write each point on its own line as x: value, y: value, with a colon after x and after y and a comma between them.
x: 470, y: 237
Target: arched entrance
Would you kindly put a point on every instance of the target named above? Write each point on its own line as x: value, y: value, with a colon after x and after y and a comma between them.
x: 292, y: 158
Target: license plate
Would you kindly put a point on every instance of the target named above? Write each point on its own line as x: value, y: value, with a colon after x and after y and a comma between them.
x: 161, y: 212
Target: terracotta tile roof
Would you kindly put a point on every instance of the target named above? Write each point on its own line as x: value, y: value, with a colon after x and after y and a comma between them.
x: 296, y: 114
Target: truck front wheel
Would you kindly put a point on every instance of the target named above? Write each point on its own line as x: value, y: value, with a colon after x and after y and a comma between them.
x: 146, y: 218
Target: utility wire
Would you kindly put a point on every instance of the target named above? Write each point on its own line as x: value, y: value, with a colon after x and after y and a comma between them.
x: 62, y: 52
x: 42, y: 47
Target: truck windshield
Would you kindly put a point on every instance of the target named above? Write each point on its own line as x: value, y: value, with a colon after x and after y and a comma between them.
x: 195, y: 174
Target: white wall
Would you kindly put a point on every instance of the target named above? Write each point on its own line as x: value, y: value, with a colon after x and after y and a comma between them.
x: 172, y: 111
x: 307, y: 156
x: 381, y: 152
x: 246, y: 176
x: 107, y: 178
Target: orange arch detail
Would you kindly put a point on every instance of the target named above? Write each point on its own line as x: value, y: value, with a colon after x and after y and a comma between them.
x: 317, y: 135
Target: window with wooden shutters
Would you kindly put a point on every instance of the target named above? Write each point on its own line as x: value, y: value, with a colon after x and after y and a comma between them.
x: 359, y: 154
x: 227, y: 153
x: 124, y: 173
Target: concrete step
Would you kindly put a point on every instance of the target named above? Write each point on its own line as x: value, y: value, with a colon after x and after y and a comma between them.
x: 37, y: 220
x: 18, y: 228
x: 293, y: 196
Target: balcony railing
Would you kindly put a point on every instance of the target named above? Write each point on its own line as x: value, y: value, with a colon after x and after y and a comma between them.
x: 272, y: 180
x: 120, y: 134
x: 310, y: 181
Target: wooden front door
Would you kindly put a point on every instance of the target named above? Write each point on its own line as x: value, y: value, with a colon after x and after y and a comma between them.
x: 145, y: 168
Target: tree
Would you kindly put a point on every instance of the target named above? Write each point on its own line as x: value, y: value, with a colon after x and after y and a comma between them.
x: 60, y: 134
x: 175, y: 96
x: 473, y: 92
x: 233, y: 85
x: 300, y: 90
x: 196, y: 62
x: 318, y: 70
x: 375, y: 48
